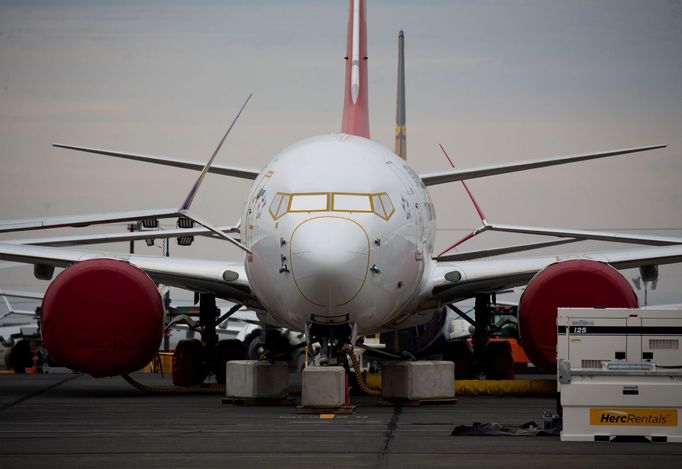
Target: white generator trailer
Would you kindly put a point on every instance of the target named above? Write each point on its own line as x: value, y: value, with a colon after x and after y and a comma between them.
x: 620, y: 373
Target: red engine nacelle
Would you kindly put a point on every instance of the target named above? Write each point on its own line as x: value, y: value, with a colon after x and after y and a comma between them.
x: 573, y: 283
x: 103, y: 317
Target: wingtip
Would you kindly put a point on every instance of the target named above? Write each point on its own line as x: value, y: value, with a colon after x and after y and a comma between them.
x: 65, y: 146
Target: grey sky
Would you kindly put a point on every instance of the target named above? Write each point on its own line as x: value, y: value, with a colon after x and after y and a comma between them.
x: 492, y: 81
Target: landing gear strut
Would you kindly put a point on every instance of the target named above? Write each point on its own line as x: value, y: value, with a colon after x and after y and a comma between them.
x: 492, y: 360
x: 208, y: 312
x: 268, y: 343
x: 194, y: 360
x: 481, y: 333
x: 332, y: 338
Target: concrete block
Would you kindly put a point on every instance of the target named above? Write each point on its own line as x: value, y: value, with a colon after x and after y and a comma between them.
x: 420, y: 380
x: 323, y: 386
x: 254, y: 379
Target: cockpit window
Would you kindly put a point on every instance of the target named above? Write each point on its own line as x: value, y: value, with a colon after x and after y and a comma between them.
x: 386, y: 205
x: 279, y: 205
x: 309, y: 203
x: 351, y: 203
x: 376, y: 205
x: 379, y: 203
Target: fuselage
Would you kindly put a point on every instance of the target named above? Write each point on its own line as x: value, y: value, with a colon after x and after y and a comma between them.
x: 341, y: 231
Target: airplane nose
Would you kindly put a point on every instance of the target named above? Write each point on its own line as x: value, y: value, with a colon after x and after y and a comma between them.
x: 329, y: 260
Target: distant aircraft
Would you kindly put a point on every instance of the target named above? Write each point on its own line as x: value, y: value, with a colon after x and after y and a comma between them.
x: 16, y: 325
x: 337, y: 233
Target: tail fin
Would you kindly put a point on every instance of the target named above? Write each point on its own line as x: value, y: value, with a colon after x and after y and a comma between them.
x: 355, y: 108
x: 400, y: 130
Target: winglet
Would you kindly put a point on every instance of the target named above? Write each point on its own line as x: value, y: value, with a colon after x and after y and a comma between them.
x: 355, y: 107
x: 481, y: 215
x: 479, y: 230
x: 193, y: 191
x: 184, y: 208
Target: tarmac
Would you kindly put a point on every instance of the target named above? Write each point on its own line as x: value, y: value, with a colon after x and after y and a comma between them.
x: 71, y: 420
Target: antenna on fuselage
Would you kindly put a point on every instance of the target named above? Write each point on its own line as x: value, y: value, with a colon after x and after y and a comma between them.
x: 400, y: 130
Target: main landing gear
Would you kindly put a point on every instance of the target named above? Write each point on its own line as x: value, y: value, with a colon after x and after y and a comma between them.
x: 194, y: 360
x: 491, y: 359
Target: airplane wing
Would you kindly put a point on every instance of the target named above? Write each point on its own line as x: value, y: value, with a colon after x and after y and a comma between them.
x: 224, y: 279
x: 573, y: 235
x: 78, y: 221
x: 492, y: 252
x: 441, y: 177
x: 453, y: 281
x: 234, y: 171
x: 16, y: 312
x: 77, y: 240
x: 585, y: 234
x: 21, y: 294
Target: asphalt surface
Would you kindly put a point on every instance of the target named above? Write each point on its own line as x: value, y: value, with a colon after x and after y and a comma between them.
x: 67, y: 420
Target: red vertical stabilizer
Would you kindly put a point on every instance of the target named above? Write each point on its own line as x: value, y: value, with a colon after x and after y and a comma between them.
x: 355, y: 108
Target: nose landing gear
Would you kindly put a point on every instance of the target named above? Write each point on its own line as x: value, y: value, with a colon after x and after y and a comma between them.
x: 332, y: 338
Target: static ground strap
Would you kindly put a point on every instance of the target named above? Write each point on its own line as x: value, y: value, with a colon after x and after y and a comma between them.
x: 198, y: 389
x: 370, y: 391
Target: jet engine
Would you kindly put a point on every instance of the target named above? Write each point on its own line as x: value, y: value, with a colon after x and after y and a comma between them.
x: 575, y: 283
x: 103, y: 317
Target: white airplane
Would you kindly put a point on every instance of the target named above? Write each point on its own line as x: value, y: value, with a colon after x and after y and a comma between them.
x: 338, y: 237
x: 16, y: 324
